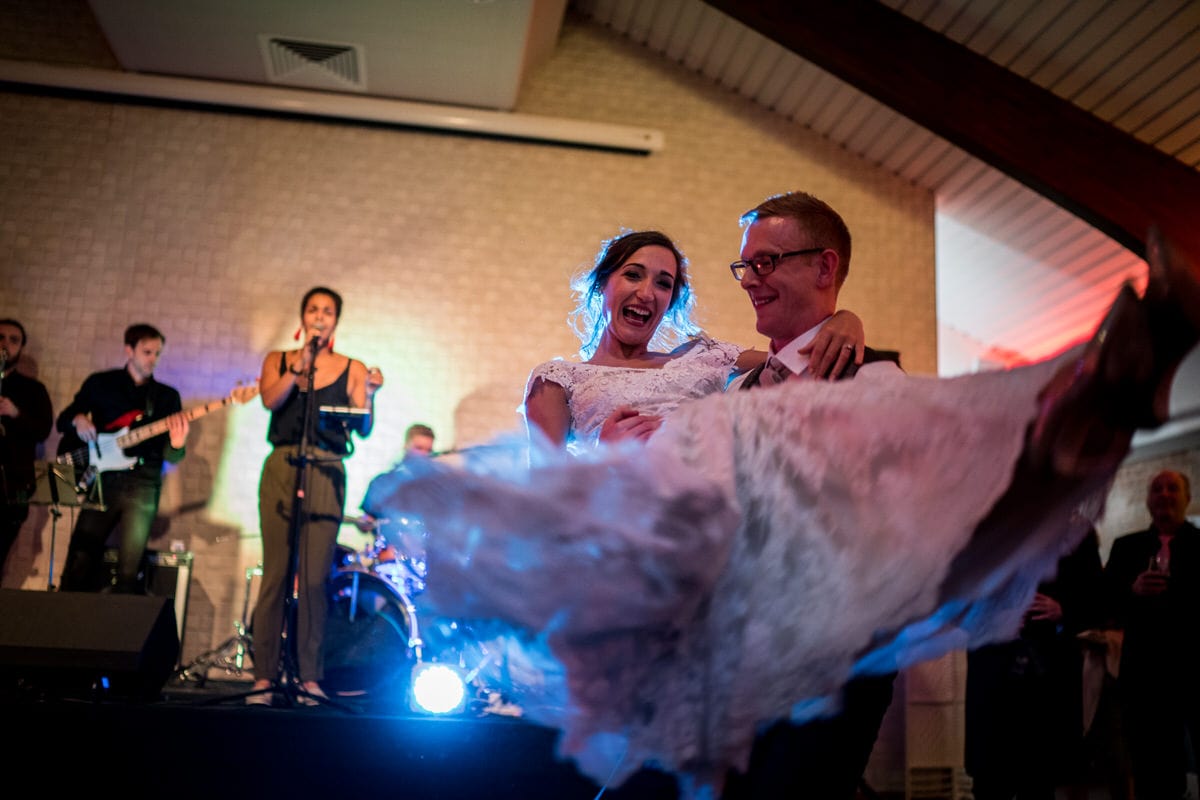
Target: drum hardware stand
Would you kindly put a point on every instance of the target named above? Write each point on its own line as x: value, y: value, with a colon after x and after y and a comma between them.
x: 231, y: 654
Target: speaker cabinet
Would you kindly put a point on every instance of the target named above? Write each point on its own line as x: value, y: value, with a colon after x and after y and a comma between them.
x: 83, y: 644
x: 162, y: 574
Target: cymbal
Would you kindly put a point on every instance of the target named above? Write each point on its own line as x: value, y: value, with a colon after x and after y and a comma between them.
x: 362, y: 523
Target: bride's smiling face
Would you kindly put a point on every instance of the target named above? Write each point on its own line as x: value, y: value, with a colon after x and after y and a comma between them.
x: 638, y: 294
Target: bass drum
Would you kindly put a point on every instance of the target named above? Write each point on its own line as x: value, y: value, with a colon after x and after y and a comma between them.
x: 371, y: 639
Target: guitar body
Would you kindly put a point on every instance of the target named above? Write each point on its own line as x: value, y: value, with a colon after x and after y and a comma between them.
x: 104, y: 454
x: 107, y: 453
x: 121, y: 424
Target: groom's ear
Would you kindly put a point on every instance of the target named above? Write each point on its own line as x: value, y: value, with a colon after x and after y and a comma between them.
x: 827, y: 268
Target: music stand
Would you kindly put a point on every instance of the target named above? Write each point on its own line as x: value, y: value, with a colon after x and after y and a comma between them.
x: 353, y: 419
x: 56, y: 485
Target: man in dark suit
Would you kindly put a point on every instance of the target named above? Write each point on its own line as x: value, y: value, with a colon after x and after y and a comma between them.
x: 1153, y: 584
x: 795, y: 258
x: 1024, y: 704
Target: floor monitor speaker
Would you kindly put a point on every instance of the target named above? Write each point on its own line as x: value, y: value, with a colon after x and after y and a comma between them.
x: 84, y: 644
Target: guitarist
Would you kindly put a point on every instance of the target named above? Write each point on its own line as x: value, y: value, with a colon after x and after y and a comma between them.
x: 109, y: 401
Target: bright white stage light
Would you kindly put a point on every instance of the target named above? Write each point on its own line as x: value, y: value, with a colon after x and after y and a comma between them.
x: 438, y: 688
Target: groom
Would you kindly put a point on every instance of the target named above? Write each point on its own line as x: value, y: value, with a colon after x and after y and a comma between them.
x: 795, y: 256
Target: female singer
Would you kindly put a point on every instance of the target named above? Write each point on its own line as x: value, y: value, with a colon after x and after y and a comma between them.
x: 336, y: 380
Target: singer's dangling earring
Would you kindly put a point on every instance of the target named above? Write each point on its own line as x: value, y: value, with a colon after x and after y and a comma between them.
x: 299, y: 330
x: 329, y: 344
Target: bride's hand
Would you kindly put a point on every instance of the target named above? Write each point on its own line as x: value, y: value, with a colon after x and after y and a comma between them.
x: 838, y: 343
x: 627, y: 423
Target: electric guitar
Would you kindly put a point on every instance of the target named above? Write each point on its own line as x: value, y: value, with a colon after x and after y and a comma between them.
x: 107, y: 453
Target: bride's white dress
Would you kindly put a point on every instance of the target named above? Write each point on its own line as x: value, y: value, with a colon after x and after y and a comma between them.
x: 758, y: 551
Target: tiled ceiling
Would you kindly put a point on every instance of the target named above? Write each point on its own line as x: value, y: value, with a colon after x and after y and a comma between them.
x: 1018, y: 274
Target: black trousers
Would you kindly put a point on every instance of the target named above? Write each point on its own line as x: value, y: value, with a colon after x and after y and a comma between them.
x: 825, y: 758
x: 12, y: 516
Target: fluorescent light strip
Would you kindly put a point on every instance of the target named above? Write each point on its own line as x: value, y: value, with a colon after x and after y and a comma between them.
x: 283, y: 100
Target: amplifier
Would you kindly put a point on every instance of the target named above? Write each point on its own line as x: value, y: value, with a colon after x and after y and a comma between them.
x: 163, y: 574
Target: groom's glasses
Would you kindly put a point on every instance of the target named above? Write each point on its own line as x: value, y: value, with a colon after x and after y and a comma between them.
x: 765, y: 265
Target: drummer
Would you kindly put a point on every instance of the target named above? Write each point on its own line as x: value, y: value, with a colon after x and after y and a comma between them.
x: 408, y: 536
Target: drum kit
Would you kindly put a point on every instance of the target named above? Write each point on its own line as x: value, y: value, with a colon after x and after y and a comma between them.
x: 373, y: 639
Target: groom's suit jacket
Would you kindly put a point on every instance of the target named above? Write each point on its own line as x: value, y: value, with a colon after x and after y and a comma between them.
x: 749, y: 380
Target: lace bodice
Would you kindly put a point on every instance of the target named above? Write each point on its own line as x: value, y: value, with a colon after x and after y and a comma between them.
x: 595, y: 391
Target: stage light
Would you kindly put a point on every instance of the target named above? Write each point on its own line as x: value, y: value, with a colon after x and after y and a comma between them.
x: 438, y: 688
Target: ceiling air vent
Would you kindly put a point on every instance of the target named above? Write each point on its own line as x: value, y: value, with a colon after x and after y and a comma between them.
x: 314, y: 65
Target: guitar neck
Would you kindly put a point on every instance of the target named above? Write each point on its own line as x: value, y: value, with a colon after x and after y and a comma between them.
x: 160, y: 426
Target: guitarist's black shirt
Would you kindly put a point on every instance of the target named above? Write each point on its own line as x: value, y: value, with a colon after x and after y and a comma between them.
x: 110, y: 397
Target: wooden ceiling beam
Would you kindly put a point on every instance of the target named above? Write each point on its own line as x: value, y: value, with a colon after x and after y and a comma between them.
x: 1096, y: 171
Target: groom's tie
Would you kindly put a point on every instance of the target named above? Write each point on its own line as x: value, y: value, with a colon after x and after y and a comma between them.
x: 774, y: 372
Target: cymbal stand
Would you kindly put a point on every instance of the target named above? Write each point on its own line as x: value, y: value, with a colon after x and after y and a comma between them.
x: 229, y: 655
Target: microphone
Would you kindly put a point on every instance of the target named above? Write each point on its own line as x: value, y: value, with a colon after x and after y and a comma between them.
x: 315, y: 342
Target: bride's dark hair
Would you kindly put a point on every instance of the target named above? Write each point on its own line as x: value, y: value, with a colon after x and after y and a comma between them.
x: 588, y: 321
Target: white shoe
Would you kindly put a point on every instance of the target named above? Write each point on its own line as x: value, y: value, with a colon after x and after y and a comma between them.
x: 312, y: 694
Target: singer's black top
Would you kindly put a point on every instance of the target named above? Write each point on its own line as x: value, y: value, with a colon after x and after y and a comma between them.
x: 287, y: 419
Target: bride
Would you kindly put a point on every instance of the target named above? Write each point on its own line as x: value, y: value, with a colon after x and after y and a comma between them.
x: 736, y: 565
